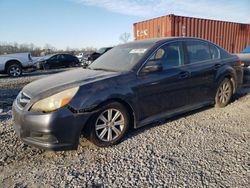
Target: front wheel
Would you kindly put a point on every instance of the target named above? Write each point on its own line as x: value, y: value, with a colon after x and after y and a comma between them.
x: 109, y: 125
x: 224, y: 93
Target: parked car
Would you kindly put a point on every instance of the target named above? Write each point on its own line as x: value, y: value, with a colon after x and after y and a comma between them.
x: 245, y: 58
x: 80, y: 56
x: 89, y: 58
x: 244, y: 55
x: 55, y: 61
x: 14, y: 64
x: 132, y: 85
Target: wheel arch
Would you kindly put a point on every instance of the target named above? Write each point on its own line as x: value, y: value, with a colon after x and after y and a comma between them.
x: 11, y: 62
x: 227, y: 73
x: 126, y: 104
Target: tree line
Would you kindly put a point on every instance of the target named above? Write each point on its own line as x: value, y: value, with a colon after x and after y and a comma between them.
x: 9, y: 48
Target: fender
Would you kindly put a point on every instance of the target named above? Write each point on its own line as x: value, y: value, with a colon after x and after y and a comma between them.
x: 94, y: 95
x: 226, y: 71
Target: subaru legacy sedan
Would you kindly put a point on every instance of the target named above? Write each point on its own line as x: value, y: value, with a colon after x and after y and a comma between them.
x: 130, y: 86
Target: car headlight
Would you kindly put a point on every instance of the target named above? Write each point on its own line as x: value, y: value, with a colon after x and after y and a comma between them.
x: 55, y: 102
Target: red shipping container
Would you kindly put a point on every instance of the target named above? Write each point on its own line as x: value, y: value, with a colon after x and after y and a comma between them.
x: 233, y: 37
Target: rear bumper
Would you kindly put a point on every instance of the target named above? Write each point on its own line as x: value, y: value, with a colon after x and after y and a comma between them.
x: 59, y: 130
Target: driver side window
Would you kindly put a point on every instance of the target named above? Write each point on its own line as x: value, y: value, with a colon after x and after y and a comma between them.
x: 169, y: 55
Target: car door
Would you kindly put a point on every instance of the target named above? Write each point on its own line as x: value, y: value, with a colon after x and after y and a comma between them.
x: 68, y: 60
x: 52, y: 62
x: 71, y: 60
x: 163, y: 91
x: 202, y: 64
x: 62, y: 61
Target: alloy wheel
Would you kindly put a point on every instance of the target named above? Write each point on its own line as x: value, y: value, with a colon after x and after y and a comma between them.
x: 109, y: 125
x: 15, y: 71
x: 224, y: 92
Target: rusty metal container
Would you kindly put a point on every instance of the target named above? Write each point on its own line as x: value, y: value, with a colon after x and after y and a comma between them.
x: 233, y: 37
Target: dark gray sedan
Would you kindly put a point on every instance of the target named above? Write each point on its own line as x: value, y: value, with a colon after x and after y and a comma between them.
x: 130, y: 86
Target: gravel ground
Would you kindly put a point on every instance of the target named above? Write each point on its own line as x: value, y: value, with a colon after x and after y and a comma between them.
x: 206, y: 148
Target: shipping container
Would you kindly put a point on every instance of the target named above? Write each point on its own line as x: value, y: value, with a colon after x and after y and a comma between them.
x: 233, y: 37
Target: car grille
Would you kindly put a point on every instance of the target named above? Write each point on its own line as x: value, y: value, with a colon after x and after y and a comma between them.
x: 22, y: 100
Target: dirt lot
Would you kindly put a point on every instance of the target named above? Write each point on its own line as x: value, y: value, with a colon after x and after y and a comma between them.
x: 205, y: 148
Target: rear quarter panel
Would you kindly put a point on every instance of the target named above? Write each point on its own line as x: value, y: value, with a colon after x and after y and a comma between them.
x: 231, y: 67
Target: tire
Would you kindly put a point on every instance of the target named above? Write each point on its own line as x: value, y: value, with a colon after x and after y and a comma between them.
x: 224, y: 93
x: 106, y: 132
x: 14, y: 70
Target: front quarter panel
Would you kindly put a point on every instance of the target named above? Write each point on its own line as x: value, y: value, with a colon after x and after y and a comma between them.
x: 90, y: 96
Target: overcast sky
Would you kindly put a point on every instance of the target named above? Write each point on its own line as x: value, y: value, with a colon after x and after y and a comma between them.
x: 97, y: 23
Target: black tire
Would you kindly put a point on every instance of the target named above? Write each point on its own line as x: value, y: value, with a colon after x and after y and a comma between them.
x: 14, y: 70
x: 224, y: 93
x: 95, y: 135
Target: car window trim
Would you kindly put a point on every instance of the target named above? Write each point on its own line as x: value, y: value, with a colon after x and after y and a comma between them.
x: 217, y: 49
x: 187, y: 62
x: 166, y: 43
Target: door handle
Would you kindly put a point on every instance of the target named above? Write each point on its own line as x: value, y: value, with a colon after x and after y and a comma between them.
x: 184, y: 75
x: 217, y: 66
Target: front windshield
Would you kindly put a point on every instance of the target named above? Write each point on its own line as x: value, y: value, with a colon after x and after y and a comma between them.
x: 121, y: 58
x: 101, y: 50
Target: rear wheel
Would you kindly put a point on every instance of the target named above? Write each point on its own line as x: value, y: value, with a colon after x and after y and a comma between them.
x: 109, y: 125
x: 14, y: 70
x: 224, y: 93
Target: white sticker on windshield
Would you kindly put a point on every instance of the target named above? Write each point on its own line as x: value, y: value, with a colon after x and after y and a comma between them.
x: 138, y: 51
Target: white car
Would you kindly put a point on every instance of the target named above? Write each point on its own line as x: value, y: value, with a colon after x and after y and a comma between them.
x: 14, y: 64
x: 80, y: 56
x: 244, y: 56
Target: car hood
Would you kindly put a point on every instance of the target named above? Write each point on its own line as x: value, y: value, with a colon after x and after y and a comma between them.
x: 61, y: 81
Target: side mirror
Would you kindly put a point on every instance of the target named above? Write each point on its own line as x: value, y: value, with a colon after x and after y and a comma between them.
x: 152, y: 66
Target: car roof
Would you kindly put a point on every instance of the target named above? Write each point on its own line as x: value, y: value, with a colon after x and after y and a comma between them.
x: 153, y: 41
x: 159, y: 41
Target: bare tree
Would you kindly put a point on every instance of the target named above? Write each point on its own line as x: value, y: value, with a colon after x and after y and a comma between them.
x: 124, y: 37
x: 49, y: 48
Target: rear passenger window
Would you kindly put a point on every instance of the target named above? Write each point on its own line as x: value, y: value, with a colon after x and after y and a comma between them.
x: 215, y: 53
x: 198, y: 51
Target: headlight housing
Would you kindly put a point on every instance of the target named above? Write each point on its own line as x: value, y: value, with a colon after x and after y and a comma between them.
x: 55, y: 102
